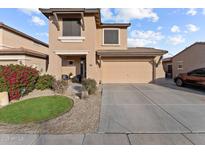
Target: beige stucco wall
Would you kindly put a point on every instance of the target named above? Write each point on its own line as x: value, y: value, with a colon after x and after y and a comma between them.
x: 1, y: 38
x: 92, y: 43
x: 74, y: 69
x: 159, y: 69
x: 13, y: 40
x: 87, y: 45
x: 38, y: 63
x: 192, y: 58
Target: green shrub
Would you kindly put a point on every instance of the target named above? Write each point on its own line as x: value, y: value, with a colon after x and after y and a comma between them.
x: 44, y: 82
x: 90, y: 85
x: 3, y: 84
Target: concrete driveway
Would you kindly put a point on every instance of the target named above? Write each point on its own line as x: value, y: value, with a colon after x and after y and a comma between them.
x: 149, y: 108
x: 137, y: 114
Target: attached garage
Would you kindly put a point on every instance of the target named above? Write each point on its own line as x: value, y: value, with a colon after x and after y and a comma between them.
x: 24, y: 56
x: 127, y: 71
x: 134, y: 65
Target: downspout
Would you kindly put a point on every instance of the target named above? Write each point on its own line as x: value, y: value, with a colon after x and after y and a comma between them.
x: 153, y: 71
x: 155, y: 65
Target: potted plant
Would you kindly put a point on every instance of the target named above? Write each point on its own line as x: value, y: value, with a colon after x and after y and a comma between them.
x: 70, y: 75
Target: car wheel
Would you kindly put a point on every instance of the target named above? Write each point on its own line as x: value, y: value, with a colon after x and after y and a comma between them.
x: 179, y: 82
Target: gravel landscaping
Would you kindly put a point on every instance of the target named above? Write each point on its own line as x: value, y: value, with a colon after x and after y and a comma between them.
x: 82, y: 118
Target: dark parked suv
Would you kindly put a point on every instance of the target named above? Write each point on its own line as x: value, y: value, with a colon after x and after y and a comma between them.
x: 195, y: 77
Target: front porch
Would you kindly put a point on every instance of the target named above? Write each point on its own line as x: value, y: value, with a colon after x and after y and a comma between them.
x: 73, y: 63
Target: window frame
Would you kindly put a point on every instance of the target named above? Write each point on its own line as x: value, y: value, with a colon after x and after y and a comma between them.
x: 103, y: 40
x: 63, y: 28
x: 180, y: 63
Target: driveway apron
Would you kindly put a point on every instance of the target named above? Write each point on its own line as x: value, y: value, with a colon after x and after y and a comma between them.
x: 149, y: 108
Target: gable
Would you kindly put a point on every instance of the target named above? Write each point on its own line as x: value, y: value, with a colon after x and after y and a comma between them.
x: 195, y: 50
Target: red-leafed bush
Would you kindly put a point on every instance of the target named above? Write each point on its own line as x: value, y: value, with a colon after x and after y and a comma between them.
x: 18, y: 80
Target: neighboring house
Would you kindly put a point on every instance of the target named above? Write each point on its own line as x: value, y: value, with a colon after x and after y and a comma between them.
x: 79, y: 43
x: 19, y: 48
x: 167, y: 65
x: 193, y: 57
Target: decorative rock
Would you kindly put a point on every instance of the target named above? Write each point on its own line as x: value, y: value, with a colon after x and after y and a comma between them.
x: 76, y: 97
x: 4, y: 98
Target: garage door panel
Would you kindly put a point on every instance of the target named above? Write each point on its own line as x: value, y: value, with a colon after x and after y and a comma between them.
x: 126, y: 72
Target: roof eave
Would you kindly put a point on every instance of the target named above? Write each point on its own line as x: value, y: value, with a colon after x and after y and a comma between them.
x: 23, y: 51
x: 112, y: 25
x: 50, y: 11
x: 129, y: 54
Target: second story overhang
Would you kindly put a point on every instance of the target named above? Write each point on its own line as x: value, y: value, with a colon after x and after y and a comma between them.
x: 82, y: 12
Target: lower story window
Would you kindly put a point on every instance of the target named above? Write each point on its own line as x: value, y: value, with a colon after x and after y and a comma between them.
x: 180, y: 65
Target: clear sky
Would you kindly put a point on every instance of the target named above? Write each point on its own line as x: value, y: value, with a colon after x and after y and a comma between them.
x: 168, y: 29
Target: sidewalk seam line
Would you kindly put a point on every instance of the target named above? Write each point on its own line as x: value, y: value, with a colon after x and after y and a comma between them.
x: 188, y: 139
x: 128, y: 139
x: 83, y: 139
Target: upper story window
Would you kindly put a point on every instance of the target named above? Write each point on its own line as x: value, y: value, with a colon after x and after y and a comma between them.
x: 111, y: 37
x: 71, y: 27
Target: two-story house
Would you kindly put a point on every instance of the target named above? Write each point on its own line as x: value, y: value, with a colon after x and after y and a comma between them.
x: 79, y: 43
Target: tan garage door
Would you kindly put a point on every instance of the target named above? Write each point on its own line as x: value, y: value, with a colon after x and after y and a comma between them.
x: 126, y: 72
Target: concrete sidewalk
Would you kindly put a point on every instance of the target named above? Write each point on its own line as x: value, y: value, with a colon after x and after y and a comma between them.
x: 102, y: 139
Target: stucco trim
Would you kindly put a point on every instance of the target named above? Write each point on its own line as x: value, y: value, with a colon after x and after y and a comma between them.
x: 23, y: 51
x: 71, y: 39
x: 13, y: 57
x: 71, y: 52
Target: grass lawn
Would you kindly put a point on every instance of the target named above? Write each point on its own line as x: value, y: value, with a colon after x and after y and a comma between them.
x: 35, y: 109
